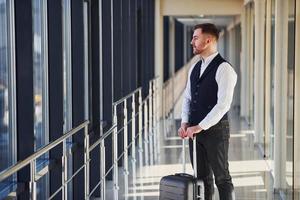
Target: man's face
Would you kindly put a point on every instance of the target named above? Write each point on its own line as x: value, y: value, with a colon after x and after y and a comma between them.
x: 200, y: 41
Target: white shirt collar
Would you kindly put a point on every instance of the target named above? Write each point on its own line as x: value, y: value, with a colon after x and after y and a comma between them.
x: 207, y: 60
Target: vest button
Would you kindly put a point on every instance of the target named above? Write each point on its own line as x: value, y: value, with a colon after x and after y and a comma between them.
x: 195, y: 101
x: 196, y: 93
x: 198, y: 86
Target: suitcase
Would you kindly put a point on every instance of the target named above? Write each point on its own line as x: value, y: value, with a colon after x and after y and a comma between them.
x: 182, y: 186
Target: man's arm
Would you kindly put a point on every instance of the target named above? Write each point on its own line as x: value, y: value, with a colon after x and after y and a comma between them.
x: 185, y: 111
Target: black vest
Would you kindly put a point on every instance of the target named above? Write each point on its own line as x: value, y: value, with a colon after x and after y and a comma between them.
x: 204, y: 91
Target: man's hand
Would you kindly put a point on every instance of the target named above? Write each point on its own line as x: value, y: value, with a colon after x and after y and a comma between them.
x: 191, y: 131
x: 182, y: 130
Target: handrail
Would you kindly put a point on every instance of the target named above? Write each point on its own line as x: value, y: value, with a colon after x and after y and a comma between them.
x: 126, y: 97
x: 107, y: 133
x: 146, y: 99
x: 153, y: 79
x: 13, y: 169
x: 130, y: 94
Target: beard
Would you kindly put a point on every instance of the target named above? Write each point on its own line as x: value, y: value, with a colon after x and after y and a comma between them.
x: 197, y: 51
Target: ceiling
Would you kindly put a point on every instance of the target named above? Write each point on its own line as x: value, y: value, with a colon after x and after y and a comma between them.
x: 221, y: 21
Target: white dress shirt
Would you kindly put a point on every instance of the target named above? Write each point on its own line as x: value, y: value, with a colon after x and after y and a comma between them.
x: 226, y: 79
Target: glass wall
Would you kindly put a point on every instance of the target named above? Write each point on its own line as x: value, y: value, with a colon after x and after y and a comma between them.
x: 7, y: 95
x: 67, y: 65
x: 67, y: 85
x: 40, y: 88
x: 40, y: 73
x: 87, y: 102
x: 5, y: 152
x: 296, y: 138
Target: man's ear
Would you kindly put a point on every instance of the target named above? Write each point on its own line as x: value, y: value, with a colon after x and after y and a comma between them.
x: 208, y: 40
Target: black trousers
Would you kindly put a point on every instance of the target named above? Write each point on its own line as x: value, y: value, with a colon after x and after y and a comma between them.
x: 212, y: 159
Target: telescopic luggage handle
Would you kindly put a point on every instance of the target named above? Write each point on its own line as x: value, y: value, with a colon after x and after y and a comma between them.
x: 194, y: 156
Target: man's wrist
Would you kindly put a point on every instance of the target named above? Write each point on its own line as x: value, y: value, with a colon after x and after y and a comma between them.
x: 184, y: 124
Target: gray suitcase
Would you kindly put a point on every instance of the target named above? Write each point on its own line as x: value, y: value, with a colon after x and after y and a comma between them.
x: 182, y: 186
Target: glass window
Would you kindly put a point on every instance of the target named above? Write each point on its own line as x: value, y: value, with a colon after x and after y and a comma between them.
x: 5, y: 158
x: 40, y: 88
x: 7, y: 95
x: 67, y: 87
x: 39, y: 71
x: 86, y: 59
x: 67, y: 65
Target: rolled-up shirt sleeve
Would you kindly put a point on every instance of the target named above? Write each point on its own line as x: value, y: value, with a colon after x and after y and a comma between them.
x: 226, y: 79
x: 185, y: 111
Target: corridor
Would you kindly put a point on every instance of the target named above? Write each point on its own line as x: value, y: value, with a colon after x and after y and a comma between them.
x: 91, y: 94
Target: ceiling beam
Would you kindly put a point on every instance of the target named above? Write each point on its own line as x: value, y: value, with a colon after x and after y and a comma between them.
x: 201, y: 7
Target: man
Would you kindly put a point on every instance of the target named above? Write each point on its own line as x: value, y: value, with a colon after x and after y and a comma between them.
x: 207, y: 98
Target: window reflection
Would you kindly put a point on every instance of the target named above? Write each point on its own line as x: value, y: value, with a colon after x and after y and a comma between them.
x: 7, y: 126
x: 38, y: 69
x: 5, y: 157
x: 67, y: 86
x: 40, y: 88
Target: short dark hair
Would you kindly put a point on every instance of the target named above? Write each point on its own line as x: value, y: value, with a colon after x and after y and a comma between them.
x: 209, y: 29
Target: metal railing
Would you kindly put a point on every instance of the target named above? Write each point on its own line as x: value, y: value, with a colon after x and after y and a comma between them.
x: 145, y: 137
x: 146, y: 134
x: 31, y: 160
x: 173, y: 89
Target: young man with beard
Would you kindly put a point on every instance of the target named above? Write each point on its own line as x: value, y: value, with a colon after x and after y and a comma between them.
x: 207, y: 99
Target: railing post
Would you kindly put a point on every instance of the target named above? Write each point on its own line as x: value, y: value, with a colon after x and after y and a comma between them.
x: 125, y: 137
x: 151, y: 122
x: 173, y: 105
x: 115, y: 153
x: 87, y: 163
x: 102, y: 164
x: 133, y: 153
x: 32, y: 180
x: 102, y: 170
x: 183, y: 156
x: 126, y: 172
x: 164, y: 112
x: 140, y: 122
x: 155, y: 128
x: 133, y: 129
x: 64, y: 161
x: 146, y: 133
x: 158, y: 121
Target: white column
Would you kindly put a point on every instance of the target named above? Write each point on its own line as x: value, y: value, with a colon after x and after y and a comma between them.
x: 243, y: 62
x: 250, y: 63
x: 171, y: 46
x: 268, y: 77
x: 248, y: 58
x: 185, y: 43
x: 159, y: 71
x: 232, y: 57
x: 259, y: 70
x: 297, y: 102
x: 280, y: 93
x: 172, y: 64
